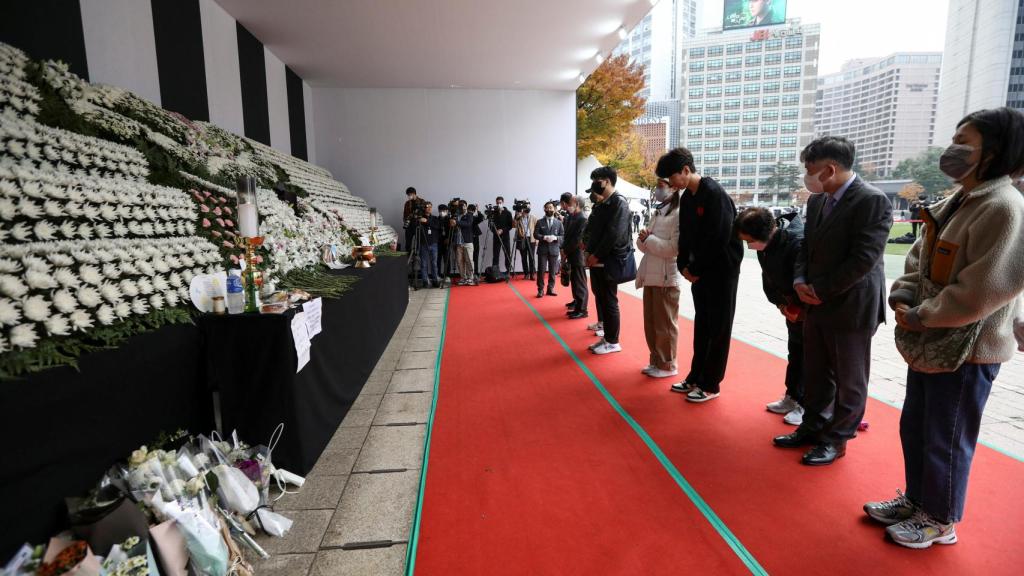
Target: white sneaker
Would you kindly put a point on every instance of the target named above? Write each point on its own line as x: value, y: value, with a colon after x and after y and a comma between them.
x: 595, y: 326
x: 784, y: 405
x: 596, y: 344
x: 607, y: 348
x: 600, y: 333
x: 794, y: 417
x: 648, y: 369
x: 659, y: 373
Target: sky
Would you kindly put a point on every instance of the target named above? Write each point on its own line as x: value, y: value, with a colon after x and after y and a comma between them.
x: 862, y: 28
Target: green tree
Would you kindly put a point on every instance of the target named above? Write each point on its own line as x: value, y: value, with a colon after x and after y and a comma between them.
x: 924, y: 169
x: 606, y: 105
x: 627, y: 156
x: 784, y: 178
x: 865, y: 171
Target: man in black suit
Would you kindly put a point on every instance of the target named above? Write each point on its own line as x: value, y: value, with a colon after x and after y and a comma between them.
x: 840, y: 276
x: 502, y: 225
x: 572, y: 252
x: 548, y: 233
x: 478, y: 219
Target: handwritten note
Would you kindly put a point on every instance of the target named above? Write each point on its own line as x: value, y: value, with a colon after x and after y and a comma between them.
x: 314, y: 313
x: 302, y: 344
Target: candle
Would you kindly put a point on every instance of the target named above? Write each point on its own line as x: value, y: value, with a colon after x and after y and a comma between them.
x: 247, y: 225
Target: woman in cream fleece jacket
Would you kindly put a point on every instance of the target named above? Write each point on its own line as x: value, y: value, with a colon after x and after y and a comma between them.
x: 660, y: 279
x: 965, y: 272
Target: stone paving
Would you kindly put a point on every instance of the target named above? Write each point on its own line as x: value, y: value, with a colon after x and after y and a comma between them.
x: 354, y: 513
x: 758, y: 323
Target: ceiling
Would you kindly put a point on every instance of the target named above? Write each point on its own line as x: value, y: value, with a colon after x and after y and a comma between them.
x: 473, y: 44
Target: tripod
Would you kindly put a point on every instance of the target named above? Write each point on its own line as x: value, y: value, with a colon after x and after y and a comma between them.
x: 509, y: 258
x: 414, y: 262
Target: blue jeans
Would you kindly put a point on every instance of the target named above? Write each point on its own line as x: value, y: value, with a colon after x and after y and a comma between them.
x: 428, y: 261
x: 939, y: 431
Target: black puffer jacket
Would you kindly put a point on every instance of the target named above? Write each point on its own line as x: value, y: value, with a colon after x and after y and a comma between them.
x: 608, y: 229
x: 778, y: 261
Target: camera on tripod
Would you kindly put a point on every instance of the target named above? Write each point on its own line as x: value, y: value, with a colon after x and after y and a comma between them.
x: 491, y: 211
x: 455, y: 207
x: 521, y: 206
x: 419, y: 210
x: 561, y: 212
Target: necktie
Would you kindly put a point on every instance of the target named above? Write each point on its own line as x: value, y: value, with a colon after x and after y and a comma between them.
x: 830, y: 203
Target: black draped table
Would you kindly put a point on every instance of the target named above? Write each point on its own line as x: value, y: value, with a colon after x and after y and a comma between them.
x: 62, y: 428
x: 251, y: 361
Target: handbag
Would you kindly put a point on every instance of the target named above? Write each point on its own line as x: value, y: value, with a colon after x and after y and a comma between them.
x: 621, y: 268
x: 564, y: 273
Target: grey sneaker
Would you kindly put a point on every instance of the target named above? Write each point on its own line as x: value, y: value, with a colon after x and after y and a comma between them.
x: 683, y: 387
x: 794, y: 417
x: 921, y: 531
x: 784, y: 405
x: 892, y: 511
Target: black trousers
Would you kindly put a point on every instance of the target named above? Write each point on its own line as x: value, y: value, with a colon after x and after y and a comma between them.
x: 714, y: 302
x: 578, y: 281
x: 408, y: 237
x: 501, y: 244
x: 795, y: 368
x: 549, y: 263
x: 525, y: 248
x: 606, y: 296
x: 837, y: 364
x: 476, y: 255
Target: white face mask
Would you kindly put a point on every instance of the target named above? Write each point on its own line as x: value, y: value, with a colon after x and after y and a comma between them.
x: 662, y: 193
x: 813, y: 185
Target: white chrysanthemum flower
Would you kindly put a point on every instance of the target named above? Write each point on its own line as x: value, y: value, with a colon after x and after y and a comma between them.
x: 175, y: 280
x: 185, y: 229
x: 8, y: 265
x: 68, y: 229
x: 173, y: 262
x: 135, y: 228
x: 123, y: 309
x: 65, y: 277
x: 88, y: 296
x: 111, y: 271
x: 102, y: 230
x: 90, y: 274
x: 106, y: 315
x: 53, y: 209
x: 85, y: 231
x: 145, y: 286
x: 35, y: 308
x: 138, y: 213
x: 172, y: 298
x: 39, y: 280
x: 110, y: 292
x: 8, y: 209
x: 187, y: 261
x: 128, y: 268
x: 21, y: 232
x: 124, y: 211
x: 10, y: 312
x: 187, y: 276
x: 31, y: 188
x: 160, y: 284
x: 91, y: 211
x: 139, y: 306
x: 16, y: 148
x: 24, y: 336
x: 29, y: 209
x: 81, y: 320
x: 129, y: 288
x: 12, y: 286
x: 147, y: 229
x: 44, y: 230
x: 104, y: 255
x: 57, y: 325
x: 73, y: 209
x: 109, y: 212
x: 58, y: 259
x: 160, y: 265
x: 156, y: 301
x: 145, y: 268
x: 64, y: 301
x: 120, y: 230
x: 33, y: 262
x: 85, y: 257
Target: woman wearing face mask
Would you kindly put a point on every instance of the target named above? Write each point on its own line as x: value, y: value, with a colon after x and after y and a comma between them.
x: 955, y: 310
x: 660, y: 279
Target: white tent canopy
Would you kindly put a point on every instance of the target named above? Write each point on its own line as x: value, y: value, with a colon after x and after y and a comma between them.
x: 631, y: 191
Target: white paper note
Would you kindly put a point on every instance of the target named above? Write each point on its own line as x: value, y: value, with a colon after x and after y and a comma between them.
x: 301, y: 337
x: 313, y: 311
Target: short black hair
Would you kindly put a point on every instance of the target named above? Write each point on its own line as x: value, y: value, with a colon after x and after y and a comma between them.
x: 605, y: 173
x: 673, y: 162
x: 835, y: 148
x: 499, y: 199
x: 549, y: 202
x: 567, y: 198
x: 757, y: 223
x: 1002, y: 139
x: 428, y: 203
x: 410, y: 190
x: 472, y: 206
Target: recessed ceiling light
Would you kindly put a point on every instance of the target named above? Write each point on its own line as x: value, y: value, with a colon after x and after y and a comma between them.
x: 622, y: 33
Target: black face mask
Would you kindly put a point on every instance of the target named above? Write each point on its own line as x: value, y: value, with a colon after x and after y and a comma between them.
x: 596, y: 188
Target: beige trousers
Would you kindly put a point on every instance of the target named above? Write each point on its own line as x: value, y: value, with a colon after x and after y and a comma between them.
x: 661, y: 324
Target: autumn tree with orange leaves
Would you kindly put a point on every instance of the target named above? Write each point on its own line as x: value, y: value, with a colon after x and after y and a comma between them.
x: 606, y: 104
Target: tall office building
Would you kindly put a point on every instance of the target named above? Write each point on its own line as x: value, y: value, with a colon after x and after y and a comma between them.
x: 983, y: 61
x: 654, y: 44
x: 748, y: 102
x: 886, y: 106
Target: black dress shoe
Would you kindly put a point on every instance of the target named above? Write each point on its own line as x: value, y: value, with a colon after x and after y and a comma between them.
x: 552, y: 293
x: 795, y: 440
x: 570, y: 304
x: 540, y: 294
x: 577, y: 315
x: 824, y: 454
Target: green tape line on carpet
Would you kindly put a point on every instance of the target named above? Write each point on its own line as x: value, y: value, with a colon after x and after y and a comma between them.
x: 414, y: 536
x: 734, y: 543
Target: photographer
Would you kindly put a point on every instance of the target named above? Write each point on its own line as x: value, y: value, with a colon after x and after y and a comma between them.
x: 548, y: 234
x: 463, y: 232
x: 478, y: 219
x: 444, y: 263
x: 607, y: 237
x: 777, y: 250
x: 572, y: 252
x: 429, y: 229
x: 501, y: 226
x: 407, y: 211
x: 525, y: 224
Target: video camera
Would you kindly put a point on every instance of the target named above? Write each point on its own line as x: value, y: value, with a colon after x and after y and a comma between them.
x: 491, y: 211
x: 455, y: 207
x: 521, y: 206
x: 419, y: 210
x: 558, y: 208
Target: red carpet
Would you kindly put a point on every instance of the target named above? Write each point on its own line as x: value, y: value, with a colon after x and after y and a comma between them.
x: 531, y: 470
